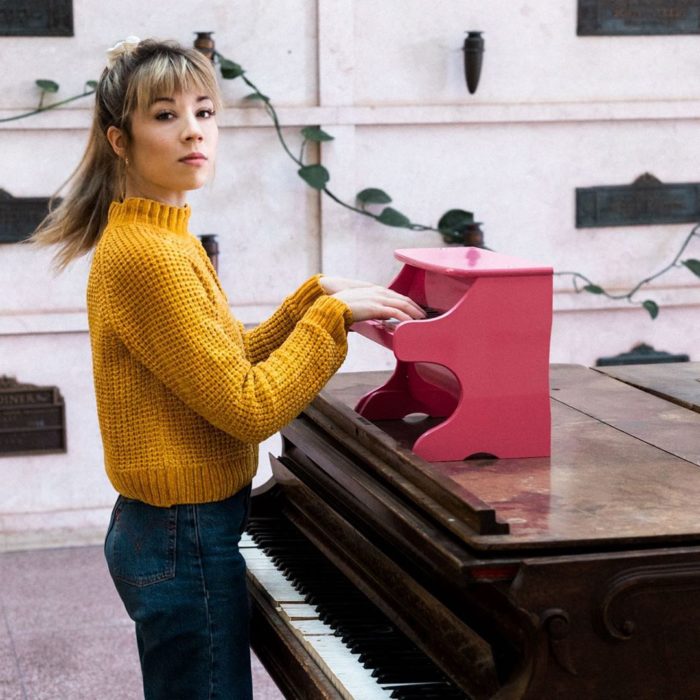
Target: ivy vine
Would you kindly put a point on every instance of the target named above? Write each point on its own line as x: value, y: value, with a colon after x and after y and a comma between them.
x: 317, y: 176
x: 47, y: 87
x: 451, y: 224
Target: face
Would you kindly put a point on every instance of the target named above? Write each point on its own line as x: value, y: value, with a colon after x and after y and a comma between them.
x: 172, y: 147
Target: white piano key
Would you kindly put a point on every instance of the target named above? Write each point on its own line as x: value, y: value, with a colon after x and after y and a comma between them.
x: 247, y: 542
x: 299, y: 611
x: 341, y: 666
x: 269, y: 577
x: 315, y: 627
x: 344, y: 669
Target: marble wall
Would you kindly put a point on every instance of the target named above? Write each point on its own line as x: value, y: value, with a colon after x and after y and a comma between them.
x: 553, y: 112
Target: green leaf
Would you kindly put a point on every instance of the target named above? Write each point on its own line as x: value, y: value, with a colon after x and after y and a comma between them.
x: 91, y: 84
x: 652, y: 307
x: 391, y: 217
x: 693, y: 265
x: 315, y: 175
x: 455, y: 219
x: 47, y: 85
x: 314, y: 133
x: 372, y: 195
x: 593, y: 289
x: 257, y: 96
x: 230, y: 70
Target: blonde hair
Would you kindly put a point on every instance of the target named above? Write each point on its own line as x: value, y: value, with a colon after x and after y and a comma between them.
x: 135, y: 79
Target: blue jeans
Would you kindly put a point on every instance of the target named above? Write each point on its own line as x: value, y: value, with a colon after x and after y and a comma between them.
x: 181, y: 577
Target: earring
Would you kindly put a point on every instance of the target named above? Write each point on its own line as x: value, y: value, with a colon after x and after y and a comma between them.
x: 126, y: 161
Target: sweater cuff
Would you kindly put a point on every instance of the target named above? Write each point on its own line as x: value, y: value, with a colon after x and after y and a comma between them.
x: 302, y: 299
x: 332, y: 314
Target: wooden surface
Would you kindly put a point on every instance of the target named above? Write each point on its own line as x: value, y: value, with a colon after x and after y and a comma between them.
x: 624, y: 469
x: 676, y: 381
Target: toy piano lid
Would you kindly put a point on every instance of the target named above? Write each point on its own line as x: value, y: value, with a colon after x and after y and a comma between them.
x: 468, y: 261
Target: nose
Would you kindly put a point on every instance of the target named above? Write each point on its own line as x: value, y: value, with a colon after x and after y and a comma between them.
x: 192, y: 130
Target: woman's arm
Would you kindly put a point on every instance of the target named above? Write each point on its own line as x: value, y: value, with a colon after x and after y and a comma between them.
x: 162, y: 313
x: 270, y: 334
x: 365, y: 299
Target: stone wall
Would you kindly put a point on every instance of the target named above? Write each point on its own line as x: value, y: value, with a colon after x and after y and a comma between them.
x: 553, y: 112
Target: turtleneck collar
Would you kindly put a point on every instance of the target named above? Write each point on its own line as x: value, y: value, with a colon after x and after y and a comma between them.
x: 135, y: 210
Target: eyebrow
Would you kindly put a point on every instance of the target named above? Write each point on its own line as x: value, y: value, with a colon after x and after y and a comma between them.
x: 172, y: 100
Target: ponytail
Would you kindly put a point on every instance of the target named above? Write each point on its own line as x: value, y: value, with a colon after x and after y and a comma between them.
x: 139, y: 74
x: 76, y: 222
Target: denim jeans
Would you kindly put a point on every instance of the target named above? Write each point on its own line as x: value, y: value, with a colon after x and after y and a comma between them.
x: 181, y: 577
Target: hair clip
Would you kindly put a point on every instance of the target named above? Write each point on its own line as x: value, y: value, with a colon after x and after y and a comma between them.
x: 121, y: 48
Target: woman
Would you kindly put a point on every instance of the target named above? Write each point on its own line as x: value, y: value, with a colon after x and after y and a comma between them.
x: 184, y: 393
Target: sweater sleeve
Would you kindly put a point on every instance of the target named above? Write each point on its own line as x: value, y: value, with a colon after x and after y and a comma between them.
x: 269, y: 335
x: 164, y: 315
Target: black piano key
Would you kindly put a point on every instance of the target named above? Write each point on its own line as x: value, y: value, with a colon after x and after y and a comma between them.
x: 431, y: 313
x: 393, y: 659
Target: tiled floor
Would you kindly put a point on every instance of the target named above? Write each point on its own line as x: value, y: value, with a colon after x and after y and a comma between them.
x: 64, y: 634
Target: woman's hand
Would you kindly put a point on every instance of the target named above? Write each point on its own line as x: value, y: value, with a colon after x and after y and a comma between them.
x: 374, y: 302
x: 331, y: 285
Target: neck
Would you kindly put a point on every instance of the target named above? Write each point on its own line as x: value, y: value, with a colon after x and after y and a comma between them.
x: 172, y: 199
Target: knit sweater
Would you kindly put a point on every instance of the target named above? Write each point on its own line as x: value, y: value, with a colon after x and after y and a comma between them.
x: 184, y: 392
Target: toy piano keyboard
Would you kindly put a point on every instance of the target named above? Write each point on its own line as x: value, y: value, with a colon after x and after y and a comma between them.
x: 480, y: 360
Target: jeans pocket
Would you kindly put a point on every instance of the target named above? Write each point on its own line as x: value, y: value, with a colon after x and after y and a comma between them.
x: 140, y: 543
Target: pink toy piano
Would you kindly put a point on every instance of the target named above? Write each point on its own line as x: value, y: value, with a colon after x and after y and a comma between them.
x: 480, y: 360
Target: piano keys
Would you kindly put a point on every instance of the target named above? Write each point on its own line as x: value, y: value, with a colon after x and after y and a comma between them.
x: 479, y: 362
x: 570, y: 576
x: 360, y: 652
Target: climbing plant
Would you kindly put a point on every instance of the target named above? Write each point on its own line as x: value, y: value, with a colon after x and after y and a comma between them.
x: 373, y: 202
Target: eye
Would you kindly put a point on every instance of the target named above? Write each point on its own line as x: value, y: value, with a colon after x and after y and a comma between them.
x: 164, y: 115
x: 207, y: 113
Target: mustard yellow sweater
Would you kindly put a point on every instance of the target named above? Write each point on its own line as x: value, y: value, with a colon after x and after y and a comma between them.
x: 184, y: 393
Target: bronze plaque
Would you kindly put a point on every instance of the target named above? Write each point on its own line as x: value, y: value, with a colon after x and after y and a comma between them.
x: 36, y: 17
x: 19, y: 216
x: 645, y: 202
x: 638, y: 17
x: 32, y: 419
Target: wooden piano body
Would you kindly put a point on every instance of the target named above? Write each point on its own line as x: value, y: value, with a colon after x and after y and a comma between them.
x: 573, y: 576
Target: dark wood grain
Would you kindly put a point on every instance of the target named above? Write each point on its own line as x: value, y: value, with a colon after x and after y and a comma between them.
x: 678, y: 382
x: 624, y: 466
x: 462, y: 653
x: 593, y: 589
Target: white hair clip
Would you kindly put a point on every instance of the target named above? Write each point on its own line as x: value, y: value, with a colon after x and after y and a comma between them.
x: 120, y: 48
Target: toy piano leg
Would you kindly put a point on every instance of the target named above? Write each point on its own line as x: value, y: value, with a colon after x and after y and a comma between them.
x: 517, y: 429
x: 503, y: 371
x: 405, y: 392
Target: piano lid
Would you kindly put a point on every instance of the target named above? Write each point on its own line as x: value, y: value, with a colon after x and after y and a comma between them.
x: 468, y: 261
x: 624, y: 469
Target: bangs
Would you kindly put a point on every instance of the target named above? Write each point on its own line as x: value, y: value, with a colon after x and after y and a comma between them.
x: 167, y: 73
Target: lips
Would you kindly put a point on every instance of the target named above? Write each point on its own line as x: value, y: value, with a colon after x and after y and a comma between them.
x: 193, y: 158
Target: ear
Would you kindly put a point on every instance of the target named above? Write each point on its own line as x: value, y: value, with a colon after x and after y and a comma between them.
x: 117, y: 141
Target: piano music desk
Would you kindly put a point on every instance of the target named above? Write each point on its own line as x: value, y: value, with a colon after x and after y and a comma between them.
x: 481, y: 364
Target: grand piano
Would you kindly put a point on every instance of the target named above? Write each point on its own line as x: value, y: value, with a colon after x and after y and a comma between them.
x: 375, y: 573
